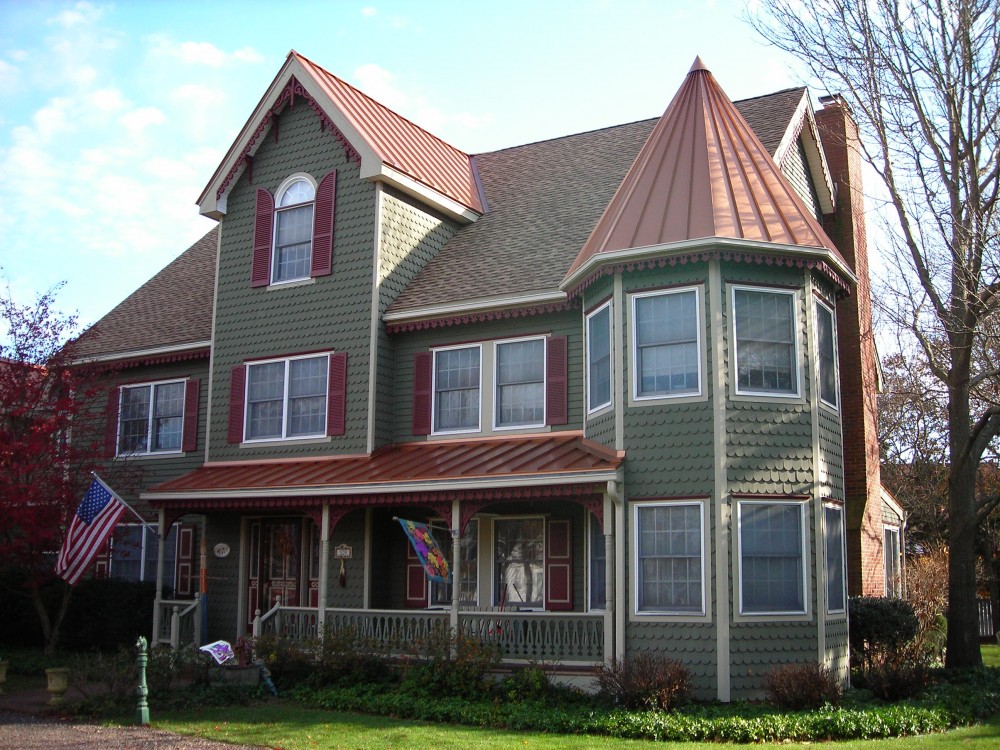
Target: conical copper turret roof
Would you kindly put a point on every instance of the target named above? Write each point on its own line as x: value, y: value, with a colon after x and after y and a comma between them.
x: 703, y: 173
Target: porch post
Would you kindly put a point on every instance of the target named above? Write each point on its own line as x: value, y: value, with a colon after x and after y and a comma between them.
x: 160, y: 548
x: 456, y: 557
x: 609, y: 579
x: 615, y: 492
x: 324, y: 573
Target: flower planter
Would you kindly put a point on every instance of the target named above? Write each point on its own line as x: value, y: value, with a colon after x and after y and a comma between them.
x: 58, y: 678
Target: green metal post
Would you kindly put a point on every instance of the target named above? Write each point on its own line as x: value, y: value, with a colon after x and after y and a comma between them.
x: 142, y: 707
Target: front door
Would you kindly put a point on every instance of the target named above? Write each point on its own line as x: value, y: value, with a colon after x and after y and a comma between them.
x: 281, y: 545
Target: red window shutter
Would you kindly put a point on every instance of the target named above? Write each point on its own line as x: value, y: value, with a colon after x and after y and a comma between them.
x: 184, y: 566
x: 415, y: 595
x: 423, y: 382
x: 336, y: 401
x: 323, y: 221
x: 102, y: 560
x: 237, y: 390
x: 191, y: 391
x: 556, y: 398
x: 263, y: 230
x: 558, y: 566
x: 111, y: 427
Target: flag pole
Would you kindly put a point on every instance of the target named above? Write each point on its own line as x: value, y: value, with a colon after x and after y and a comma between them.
x: 119, y: 498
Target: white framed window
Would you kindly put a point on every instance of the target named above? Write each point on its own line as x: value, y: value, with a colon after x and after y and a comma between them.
x: 468, y: 592
x: 892, y: 559
x: 765, y: 341
x: 133, y: 552
x: 599, y: 362
x: 669, y: 558
x: 519, y: 393
x: 287, y: 398
x: 835, y: 554
x: 826, y: 355
x: 597, y: 553
x: 293, y: 229
x: 457, y: 385
x: 519, y: 562
x: 151, y: 418
x: 666, y: 343
x: 772, y: 557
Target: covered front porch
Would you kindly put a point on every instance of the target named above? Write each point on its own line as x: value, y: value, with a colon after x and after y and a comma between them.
x: 526, y: 523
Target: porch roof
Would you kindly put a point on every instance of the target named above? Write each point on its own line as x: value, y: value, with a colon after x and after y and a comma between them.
x: 548, y: 460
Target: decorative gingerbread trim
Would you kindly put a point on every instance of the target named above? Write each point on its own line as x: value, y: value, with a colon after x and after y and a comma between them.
x: 481, y: 317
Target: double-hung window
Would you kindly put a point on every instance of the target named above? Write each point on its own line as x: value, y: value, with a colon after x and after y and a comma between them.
x: 456, y: 389
x: 134, y: 550
x: 765, y: 342
x: 667, y: 343
x: 287, y: 398
x: 772, y: 557
x: 151, y: 418
x: 293, y: 230
x: 519, y: 562
x: 670, y: 560
x: 599, y: 358
x: 893, y: 568
x: 520, y: 383
x: 826, y: 353
x: 833, y: 526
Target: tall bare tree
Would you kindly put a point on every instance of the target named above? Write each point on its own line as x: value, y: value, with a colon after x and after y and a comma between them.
x: 923, y: 78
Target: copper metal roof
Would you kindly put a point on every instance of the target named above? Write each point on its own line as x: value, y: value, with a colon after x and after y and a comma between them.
x: 400, y: 143
x: 562, y: 454
x: 703, y: 173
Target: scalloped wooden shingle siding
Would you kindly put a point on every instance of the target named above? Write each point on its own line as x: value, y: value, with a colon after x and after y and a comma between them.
x: 796, y: 169
x: 410, y: 236
x: 326, y: 313
x: 224, y: 577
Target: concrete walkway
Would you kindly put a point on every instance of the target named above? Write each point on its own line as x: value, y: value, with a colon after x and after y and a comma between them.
x: 27, y: 722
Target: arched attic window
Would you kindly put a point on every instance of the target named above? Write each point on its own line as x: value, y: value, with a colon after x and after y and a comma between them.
x: 293, y: 229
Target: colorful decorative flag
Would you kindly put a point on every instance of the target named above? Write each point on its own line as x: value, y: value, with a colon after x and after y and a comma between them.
x: 221, y: 651
x: 432, y: 559
x: 92, y: 524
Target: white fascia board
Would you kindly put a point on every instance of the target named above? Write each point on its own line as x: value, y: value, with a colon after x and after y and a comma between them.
x: 803, y: 122
x: 140, y: 353
x: 701, y: 244
x: 474, y: 306
x: 382, y: 172
x: 436, y: 485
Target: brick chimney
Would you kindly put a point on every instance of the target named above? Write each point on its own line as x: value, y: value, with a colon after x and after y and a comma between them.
x: 858, y: 368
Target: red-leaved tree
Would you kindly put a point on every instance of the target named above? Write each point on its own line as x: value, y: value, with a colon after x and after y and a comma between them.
x: 50, y: 440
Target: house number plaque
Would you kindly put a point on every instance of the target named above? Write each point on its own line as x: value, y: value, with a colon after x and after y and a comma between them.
x: 343, y: 552
x: 221, y: 549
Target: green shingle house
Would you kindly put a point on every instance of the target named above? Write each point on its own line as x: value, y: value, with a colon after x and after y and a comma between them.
x: 626, y: 376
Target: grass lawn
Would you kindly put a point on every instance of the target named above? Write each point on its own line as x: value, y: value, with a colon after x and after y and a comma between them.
x: 991, y: 655
x: 287, y: 726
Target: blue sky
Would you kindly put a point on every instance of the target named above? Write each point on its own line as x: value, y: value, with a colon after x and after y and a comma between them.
x: 113, y: 116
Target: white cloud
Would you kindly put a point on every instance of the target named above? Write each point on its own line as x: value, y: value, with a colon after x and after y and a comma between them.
x: 80, y: 13
x: 368, y: 11
x: 138, y: 120
x: 51, y: 119
x: 107, y: 100
x: 203, y: 53
x: 8, y: 76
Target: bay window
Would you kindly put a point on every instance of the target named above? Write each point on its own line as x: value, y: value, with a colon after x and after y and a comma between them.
x: 765, y: 342
x: 666, y: 338
x: 772, y: 557
x: 670, y: 561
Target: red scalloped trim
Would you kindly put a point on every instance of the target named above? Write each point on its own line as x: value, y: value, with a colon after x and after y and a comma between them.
x: 723, y: 255
x: 288, y: 94
x: 165, y: 358
x: 480, y: 317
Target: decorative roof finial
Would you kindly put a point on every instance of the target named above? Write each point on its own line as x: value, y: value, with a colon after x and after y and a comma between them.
x: 698, y: 65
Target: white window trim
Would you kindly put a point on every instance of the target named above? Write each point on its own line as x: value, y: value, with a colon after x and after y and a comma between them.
x: 899, y: 562
x: 287, y: 183
x: 284, y: 401
x: 843, y: 556
x: 699, y: 343
x: 152, y: 385
x: 593, y: 408
x: 665, y: 613
x: 836, y: 358
x: 734, y: 365
x: 801, y: 504
x: 434, y: 392
x: 493, y: 558
x: 496, y: 383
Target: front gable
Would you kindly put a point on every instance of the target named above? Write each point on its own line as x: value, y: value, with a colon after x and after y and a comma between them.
x: 388, y: 148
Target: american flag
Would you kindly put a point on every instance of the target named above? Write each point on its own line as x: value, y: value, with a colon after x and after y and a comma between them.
x: 92, y: 524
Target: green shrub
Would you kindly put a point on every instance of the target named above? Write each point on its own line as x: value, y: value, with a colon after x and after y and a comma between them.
x: 795, y: 687
x: 347, y: 658
x: 450, y: 664
x: 529, y: 683
x: 879, y: 625
x: 644, y: 681
x: 290, y: 662
x: 896, y: 675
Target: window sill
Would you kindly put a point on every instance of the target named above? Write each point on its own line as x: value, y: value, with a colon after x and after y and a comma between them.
x: 150, y: 456
x: 680, y: 398
x: 495, y: 432
x: 601, y: 410
x: 832, y: 408
x: 664, y: 617
x: 278, y: 442
x: 773, y: 617
x: 767, y: 398
x: 289, y: 284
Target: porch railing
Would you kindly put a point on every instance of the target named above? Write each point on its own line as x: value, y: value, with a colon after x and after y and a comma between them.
x: 539, y: 636
x: 387, y: 627
x: 179, y: 622
x: 296, y: 623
